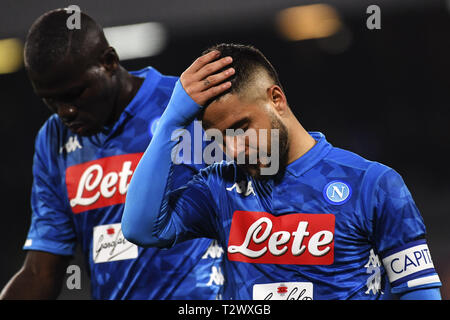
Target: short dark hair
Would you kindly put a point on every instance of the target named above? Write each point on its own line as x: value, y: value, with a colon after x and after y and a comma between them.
x: 49, y: 39
x: 246, y: 61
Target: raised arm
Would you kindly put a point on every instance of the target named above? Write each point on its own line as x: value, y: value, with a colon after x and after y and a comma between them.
x: 146, y: 210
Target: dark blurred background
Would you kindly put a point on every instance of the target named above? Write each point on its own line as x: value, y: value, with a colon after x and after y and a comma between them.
x: 382, y: 93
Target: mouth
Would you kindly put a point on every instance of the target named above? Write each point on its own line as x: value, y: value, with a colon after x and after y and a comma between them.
x: 77, y: 127
x: 252, y: 169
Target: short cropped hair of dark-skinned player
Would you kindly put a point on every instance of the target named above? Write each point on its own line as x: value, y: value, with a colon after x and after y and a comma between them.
x: 101, y: 127
x: 86, y: 87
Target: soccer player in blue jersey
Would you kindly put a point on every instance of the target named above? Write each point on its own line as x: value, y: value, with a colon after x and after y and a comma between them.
x: 84, y: 157
x: 328, y: 224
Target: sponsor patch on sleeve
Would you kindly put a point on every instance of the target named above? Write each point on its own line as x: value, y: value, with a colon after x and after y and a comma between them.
x: 283, y: 291
x: 410, y: 264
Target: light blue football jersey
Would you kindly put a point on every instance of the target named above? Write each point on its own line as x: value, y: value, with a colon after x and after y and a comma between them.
x: 332, y: 225
x: 78, y: 195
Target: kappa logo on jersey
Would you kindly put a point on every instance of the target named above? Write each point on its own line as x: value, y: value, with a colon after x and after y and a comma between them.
x: 216, y: 277
x: 243, y: 187
x: 100, y: 183
x: 214, y: 251
x: 300, y: 238
x: 373, y: 266
x: 71, y: 145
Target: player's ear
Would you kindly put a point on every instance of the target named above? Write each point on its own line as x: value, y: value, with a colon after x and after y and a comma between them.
x: 278, y: 99
x: 109, y: 59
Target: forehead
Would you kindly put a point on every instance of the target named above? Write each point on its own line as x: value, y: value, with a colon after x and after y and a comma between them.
x: 60, y: 77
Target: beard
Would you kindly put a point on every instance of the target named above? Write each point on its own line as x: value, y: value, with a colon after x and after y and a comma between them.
x: 278, y: 150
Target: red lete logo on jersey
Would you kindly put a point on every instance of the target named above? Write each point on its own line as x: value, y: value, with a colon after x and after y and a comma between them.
x: 100, y: 183
x: 299, y: 238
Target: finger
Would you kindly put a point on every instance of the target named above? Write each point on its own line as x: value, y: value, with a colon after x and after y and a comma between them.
x: 213, y: 80
x: 202, y: 61
x: 211, y: 68
x: 212, y: 92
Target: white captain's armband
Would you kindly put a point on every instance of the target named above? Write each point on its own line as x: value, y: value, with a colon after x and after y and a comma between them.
x: 410, y: 264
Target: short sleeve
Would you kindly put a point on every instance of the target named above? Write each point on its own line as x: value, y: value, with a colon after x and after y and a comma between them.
x: 400, y: 236
x: 51, y: 228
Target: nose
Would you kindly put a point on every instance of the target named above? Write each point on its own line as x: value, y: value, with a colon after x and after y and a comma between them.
x: 67, y: 113
x: 237, y: 148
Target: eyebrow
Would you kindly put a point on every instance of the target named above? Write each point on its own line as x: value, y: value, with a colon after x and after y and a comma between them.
x: 74, y: 90
x: 69, y: 92
x: 237, y: 124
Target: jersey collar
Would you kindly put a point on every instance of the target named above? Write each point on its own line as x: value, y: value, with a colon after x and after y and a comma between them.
x: 151, y: 77
x: 312, y: 157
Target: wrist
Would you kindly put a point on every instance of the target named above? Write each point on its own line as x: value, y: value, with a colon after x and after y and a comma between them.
x: 181, y: 110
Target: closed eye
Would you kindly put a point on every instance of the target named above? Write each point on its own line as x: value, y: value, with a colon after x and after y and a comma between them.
x: 67, y: 96
x: 73, y: 94
x: 238, y: 127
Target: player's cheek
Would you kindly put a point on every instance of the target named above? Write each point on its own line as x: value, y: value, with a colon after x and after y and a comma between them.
x: 96, y: 106
x: 260, y: 143
x: 234, y: 146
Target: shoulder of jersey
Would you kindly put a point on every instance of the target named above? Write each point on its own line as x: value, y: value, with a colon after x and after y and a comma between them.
x: 354, y: 166
x: 52, y: 132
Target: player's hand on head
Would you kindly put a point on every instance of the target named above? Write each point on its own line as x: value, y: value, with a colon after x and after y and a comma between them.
x: 202, y: 81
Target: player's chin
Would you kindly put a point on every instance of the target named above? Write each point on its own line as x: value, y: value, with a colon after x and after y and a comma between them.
x: 255, y: 171
x: 85, y: 130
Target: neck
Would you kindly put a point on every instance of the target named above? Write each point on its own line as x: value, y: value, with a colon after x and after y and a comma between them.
x: 128, y: 87
x: 300, y: 141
